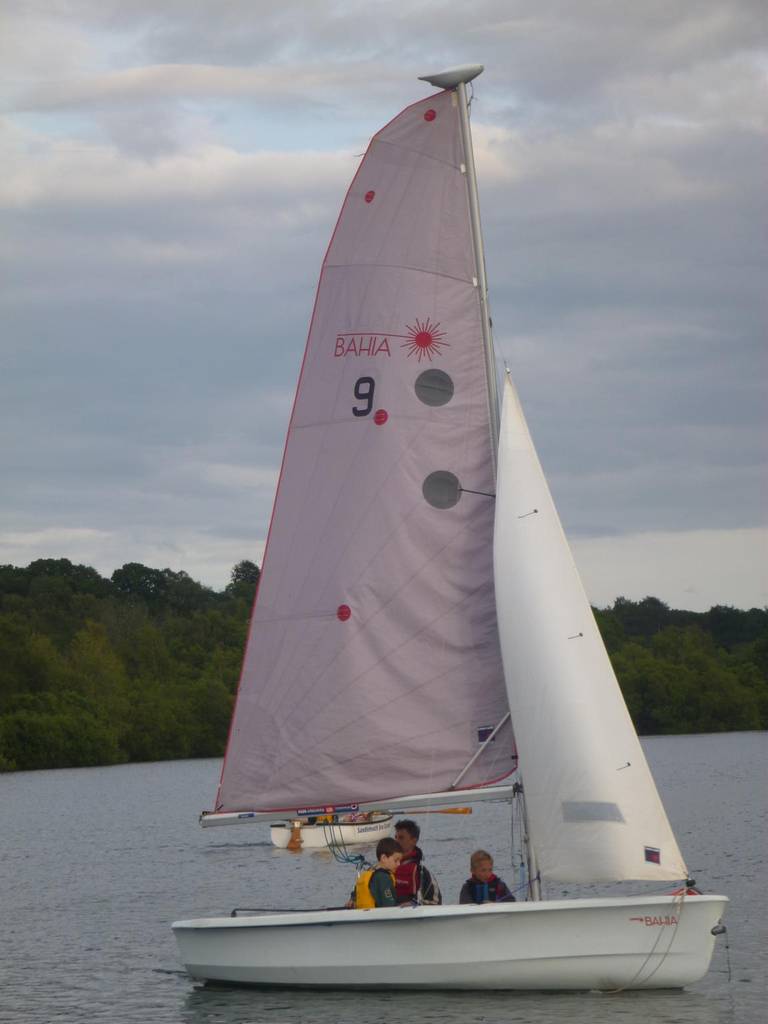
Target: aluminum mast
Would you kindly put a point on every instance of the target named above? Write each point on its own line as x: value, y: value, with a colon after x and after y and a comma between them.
x: 457, y: 79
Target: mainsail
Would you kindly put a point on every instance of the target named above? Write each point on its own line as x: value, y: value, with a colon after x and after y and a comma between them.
x: 373, y: 668
x: 593, y: 810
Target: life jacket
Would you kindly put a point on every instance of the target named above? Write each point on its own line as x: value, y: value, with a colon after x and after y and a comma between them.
x: 363, y: 896
x: 492, y: 891
x: 407, y: 876
x: 414, y: 882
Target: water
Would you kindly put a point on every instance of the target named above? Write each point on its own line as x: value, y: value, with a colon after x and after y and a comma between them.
x: 96, y: 863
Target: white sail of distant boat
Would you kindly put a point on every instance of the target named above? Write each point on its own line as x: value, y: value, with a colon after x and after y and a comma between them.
x: 415, y: 606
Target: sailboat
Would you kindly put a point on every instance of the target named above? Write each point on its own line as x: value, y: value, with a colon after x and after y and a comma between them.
x: 420, y: 628
x: 316, y: 832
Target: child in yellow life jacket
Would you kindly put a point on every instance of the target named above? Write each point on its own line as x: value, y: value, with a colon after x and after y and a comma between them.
x: 376, y: 886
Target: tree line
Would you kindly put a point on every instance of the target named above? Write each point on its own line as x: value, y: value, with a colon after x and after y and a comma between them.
x: 144, y: 665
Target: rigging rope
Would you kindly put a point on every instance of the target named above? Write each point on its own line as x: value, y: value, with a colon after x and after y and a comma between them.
x: 679, y: 901
x: 334, y: 838
x: 728, y: 954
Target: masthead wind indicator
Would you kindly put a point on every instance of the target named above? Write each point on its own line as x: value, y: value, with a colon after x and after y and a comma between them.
x: 452, y: 77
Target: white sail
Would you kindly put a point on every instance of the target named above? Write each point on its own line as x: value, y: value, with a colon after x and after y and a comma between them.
x: 373, y: 668
x: 593, y: 809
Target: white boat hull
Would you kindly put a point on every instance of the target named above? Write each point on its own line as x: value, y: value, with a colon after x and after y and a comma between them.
x: 321, y: 836
x: 612, y: 943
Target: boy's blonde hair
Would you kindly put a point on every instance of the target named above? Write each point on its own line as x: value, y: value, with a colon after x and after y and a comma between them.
x: 478, y: 857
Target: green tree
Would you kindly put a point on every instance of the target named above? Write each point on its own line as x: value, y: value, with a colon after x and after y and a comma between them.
x: 50, y: 731
x: 29, y: 662
x: 100, y: 677
x: 159, y: 727
x: 243, y: 581
x: 145, y: 666
x: 139, y: 582
x: 682, y: 682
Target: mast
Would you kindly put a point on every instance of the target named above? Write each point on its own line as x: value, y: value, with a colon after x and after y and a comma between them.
x: 457, y: 79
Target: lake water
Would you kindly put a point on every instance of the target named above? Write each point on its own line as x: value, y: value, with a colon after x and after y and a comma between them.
x: 95, y: 864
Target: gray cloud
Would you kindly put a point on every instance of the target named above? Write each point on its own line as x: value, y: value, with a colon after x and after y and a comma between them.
x: 171, y: 178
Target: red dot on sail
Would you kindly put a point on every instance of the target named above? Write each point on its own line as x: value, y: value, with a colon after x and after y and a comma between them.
x: 380, y: 416
x: 430, y: 115
x: 369, y: 196
x: 423, y: 339
x: 343, y: 612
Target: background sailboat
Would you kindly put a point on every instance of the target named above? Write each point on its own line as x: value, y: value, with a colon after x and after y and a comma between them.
x: 373, y: 674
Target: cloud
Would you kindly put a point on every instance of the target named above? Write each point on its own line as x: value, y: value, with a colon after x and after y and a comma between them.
x: 94, y: 175
x: 693, y: 569
x: 205, y: 556
x: 172, y: 175
x: 161, y: 82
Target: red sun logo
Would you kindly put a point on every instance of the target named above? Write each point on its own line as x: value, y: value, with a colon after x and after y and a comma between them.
x: 424, y: 340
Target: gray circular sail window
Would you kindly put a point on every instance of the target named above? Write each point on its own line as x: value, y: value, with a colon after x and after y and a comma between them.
x: 441, y: 489
x: 434, y: 387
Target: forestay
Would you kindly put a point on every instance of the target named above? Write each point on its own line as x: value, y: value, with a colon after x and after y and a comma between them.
x: 372, y: 668
x: 593, y: 809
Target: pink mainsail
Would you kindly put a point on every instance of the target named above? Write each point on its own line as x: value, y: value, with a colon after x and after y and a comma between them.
x: 372, y: 669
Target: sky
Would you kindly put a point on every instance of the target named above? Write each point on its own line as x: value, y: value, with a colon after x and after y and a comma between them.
x: 172, y: 171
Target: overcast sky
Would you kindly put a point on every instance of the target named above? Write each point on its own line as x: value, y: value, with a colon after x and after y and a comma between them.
x: 171, y: 173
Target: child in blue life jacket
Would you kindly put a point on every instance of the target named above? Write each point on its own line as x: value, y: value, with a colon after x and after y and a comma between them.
x: 376, y: 887
x: 484, y: 886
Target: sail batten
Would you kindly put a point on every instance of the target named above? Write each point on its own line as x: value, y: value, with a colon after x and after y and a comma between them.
x: 415, y: 270
x: 378, y: 141
x: 373, y: 663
